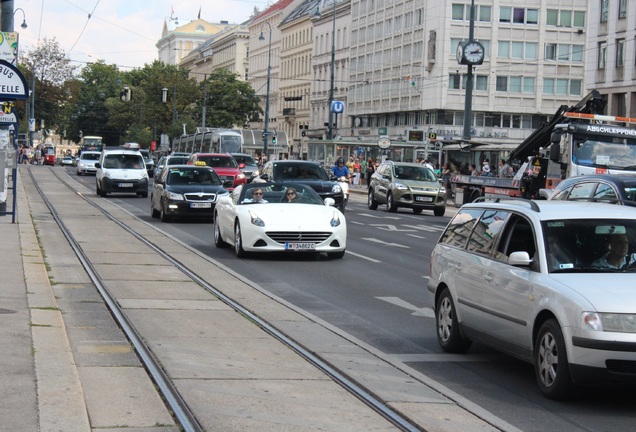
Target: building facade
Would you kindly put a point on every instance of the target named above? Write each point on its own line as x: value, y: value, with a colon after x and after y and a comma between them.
x: 611, y: 62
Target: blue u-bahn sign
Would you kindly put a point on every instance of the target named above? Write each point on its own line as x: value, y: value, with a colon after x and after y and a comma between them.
x: 337, y: 107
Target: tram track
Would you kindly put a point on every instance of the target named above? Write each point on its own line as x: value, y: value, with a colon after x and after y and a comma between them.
x: 178, y: 405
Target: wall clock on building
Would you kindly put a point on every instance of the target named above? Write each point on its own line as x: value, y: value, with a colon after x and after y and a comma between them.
x: 470, y: 53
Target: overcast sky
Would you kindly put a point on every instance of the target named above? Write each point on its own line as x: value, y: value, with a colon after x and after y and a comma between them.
x: 122, y: 32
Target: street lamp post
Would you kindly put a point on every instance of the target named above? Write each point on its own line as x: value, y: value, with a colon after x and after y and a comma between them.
x: 333, y: 69
x: 269, y: 70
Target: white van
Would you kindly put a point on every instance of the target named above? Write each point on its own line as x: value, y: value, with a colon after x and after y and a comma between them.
x: 121, y: 170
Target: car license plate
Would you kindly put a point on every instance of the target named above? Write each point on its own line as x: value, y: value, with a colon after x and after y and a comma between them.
x: 125, y: 185
x: 300, y: 246
x: 201, y: 205
x: 424, y: 198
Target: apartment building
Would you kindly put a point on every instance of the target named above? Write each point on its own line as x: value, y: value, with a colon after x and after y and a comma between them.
x: 611, y: 60
x: 227, y: 49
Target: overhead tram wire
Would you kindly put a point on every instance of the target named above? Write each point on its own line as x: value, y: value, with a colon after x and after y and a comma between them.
x: 84, y: 28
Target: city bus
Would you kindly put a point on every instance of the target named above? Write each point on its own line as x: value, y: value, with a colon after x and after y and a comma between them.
x: 91, y: 143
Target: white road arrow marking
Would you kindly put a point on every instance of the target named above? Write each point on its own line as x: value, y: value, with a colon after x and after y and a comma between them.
x: 425, y: 311
x: 426, y: 228
x: 389, y: 227
x: 385, y: 243
x: 380, y: 217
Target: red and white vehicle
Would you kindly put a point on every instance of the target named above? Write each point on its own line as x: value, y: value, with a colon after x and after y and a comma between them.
x: 224, y: 165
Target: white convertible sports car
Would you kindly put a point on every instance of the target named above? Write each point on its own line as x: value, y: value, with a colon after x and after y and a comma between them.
x: 279, y: 217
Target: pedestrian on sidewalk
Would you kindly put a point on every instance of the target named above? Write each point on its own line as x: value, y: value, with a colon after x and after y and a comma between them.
x: 370, y: 170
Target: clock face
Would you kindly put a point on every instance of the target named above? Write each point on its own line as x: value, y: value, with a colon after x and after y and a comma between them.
x: 474, y: 52
x: 460, y: 53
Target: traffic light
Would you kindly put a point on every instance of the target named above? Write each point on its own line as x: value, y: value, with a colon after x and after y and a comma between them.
x: 274, y: 139
x: 126, y: 94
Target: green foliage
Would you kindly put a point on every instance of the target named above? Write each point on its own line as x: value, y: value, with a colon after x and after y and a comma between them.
x: 88, y: 102
x: 229, y: 102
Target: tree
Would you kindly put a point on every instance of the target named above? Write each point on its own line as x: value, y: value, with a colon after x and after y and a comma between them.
x: 86, y: 112
x: 229, y: 101
x: 48, y: 67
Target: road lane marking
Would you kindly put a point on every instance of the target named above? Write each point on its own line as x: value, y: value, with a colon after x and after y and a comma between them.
x: 363, y: 257
x: 375, y: 240
x: 428, y: 228
x: 379, y: 217
x: 425, y: 311
x: 389, y: 227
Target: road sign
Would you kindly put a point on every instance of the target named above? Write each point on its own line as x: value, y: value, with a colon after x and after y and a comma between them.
x: 384, y: 143
x: 337, y: 107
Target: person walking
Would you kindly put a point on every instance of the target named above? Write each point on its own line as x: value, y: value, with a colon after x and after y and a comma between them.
x: 370, y: 170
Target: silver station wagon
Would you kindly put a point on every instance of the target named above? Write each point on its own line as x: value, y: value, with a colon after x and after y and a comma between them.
x: 550, y: 282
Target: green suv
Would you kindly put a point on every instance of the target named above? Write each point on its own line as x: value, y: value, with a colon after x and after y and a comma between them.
x: 410, y: 185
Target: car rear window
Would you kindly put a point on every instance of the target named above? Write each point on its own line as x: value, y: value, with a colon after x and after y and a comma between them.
x: 218, y: 161
x: 460, y: 227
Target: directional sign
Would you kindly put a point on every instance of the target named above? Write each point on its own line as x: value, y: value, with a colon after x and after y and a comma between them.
x: 337, y: 107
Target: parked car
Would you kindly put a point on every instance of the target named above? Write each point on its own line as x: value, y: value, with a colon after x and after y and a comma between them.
x: 225, y: 166
x: 279, y: 217
x: 533, y: 279
x: 121, y: 169
x: 185, y: 190
x: 410, y: 185
x: 247, y: 164
x: 86, y: 162
x: 597, y: 187
x: 305, y: 172
x: 170, y: 160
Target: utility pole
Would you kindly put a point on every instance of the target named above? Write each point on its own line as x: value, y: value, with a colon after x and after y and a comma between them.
x: 203, y: 111
x: 468, y: 103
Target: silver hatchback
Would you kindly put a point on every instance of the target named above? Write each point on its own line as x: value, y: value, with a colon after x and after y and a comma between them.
x: 549, y: 282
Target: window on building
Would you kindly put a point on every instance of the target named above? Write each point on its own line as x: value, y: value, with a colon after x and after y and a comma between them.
x: 514, y: 84
x: 485, y: 13
x: 505, y: 14
x: 503, y: 49
x: 502, y: 83
x: 552, y: 17
x: 602, y: 54
x: 481, y: 82
x: 550, y: 51
x: 517, y: 50
x: 528, y: 85
x: 454, y: 81
x: 531, y: 50
x: 604, y: 10
x: 576, y: 86
x: 419, y: 17
x: 620, y: 53
x: 577, y: 53
x: 562, y: 86
x: 458, y: 11
x: 622, y: 8
x: 564, y: 52
x: 548, y: 86
x: 579, y: 19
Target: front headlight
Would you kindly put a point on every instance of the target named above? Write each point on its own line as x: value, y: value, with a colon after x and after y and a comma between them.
x: 174, y: 196
x: 256, y: 220
x: 442, y: 190
x: 401, y: 186
x: 609, y: 322
x: 336, y: 188
x: 335, y: 219
x: 240, y: 176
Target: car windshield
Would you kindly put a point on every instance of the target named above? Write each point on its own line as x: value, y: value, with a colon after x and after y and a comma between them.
x: 177, y: 160
x: 90, y: 156
x: 417, y: 173
x: 286, y: 171
x: 125, y: 161
x: 192, y: 176
x: 276, y: 193
x: 590, y: 245
x: 247, y: 160
x: 218, y: 161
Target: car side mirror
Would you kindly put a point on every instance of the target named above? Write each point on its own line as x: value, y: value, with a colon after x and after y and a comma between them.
x: 330, y: 202
x: 98, y: 165
x: 519, y: 259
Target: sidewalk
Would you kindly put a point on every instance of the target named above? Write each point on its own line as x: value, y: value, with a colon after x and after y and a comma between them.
x: 66, y: 367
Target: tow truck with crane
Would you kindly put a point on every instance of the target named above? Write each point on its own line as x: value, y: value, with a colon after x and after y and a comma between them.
x: 578, y: 140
